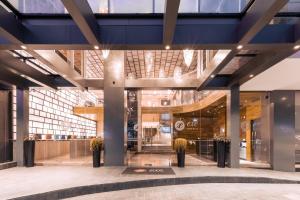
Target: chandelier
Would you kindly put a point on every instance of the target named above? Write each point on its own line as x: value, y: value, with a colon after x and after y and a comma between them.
x: 105, y: 53
x: 188, y: 56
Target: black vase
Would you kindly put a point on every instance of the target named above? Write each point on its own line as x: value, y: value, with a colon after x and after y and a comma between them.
x: 29, y: 149
x: 215, y: 153
x: 96, y: 157
x: 227, y: 153
x: 181, y: 158
x: 221, y: 153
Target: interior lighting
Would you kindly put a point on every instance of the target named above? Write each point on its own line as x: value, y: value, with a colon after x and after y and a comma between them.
x: 177, y: 74
x: 240, y: 47
x: 23, y: 47
x: 188, y: 56
x: 161, y: 73
x: 167, y: 47
x: 212, y: 76
x: 105, y: 53
x: 251, y: 76
x: 297, y: 47
x: 96, y: 47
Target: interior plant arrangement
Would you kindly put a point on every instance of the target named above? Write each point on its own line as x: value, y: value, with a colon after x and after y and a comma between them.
x: 29, y: 151
x: 96, y: 145
x: 180, y: 147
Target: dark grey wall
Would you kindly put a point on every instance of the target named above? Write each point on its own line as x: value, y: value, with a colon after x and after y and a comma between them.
x: 6, y: 142
x: 283, y: 130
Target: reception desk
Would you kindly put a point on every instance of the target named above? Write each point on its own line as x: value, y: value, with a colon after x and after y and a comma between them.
x: 71, y: 149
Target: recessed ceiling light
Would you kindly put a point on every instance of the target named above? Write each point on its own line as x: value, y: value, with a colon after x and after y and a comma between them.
x: 23, y: 47
x: 212, y: 76
x: 22, y: 75
x: 96, y: 47
x: 240, y: 47
x: 167, y: 47
x: 297, y: 47
x: 251, y: 75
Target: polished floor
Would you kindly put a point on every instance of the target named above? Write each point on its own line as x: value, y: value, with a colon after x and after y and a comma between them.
x: 20, y: 181
x: 205, y: 191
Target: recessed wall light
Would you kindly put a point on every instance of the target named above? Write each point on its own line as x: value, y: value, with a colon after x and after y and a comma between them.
x: 23, y: 47
x: 251, y: 75
x: 297, y: 47
x: 167, y: 47
x: 96, y: 47
x: 212, y: 76
x: 240, y: 47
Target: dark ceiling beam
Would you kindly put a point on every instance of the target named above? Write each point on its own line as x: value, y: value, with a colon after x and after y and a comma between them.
x: 83, y: 16
x: 8, y: 61
x: 10, y: 28
x: 219, y: 82
x: 256, y: 18
x: 10, y: 78
x: 59, y: 65
x: 147, y: 33
x: 264, y: 61
x: 258, y: 65
x: 170, y: 18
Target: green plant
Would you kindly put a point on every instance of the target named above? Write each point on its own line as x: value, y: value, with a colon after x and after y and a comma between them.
x: 180, y: 144
x: 96, y: 144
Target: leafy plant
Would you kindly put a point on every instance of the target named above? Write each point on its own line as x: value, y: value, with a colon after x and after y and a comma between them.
x: 180, y: 144
x: 96, y: 144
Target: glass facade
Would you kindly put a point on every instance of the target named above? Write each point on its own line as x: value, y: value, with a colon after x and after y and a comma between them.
x: 133, y: 6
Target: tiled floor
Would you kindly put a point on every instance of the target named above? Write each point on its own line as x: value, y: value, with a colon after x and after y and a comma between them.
x: 22, y: 181
x: 205, y: 191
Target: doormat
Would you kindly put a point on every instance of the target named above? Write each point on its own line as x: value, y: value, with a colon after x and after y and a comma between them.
x: 149, y: 171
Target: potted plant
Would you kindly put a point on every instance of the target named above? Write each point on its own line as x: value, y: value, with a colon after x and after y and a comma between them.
x: 180, y: 146
x: 29, y: 149
x: 96, y: 146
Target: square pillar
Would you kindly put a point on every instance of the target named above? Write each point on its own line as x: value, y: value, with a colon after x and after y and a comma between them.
x: 233, y: 125
x: 139, y: 115
x: 283, y: 130
x: 114, y: 110
x: 22, y: 123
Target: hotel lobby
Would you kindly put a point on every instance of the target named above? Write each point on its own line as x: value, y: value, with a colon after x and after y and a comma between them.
x: 137, y: 99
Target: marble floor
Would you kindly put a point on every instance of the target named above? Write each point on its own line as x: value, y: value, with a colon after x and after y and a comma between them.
x: 20, y: 181
x: 205, y: 191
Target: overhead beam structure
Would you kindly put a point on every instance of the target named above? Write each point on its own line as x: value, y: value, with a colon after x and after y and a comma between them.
x: 133, y: 32
x: 256, y: 18
x: 264, y: 61
x: 83, y: 16
x: 56, y: 63
x: 9, y: 78
x: 20, y: 68
x: 170, y: 19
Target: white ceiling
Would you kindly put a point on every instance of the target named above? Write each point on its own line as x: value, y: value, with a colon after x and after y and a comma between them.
x: 282, y: 76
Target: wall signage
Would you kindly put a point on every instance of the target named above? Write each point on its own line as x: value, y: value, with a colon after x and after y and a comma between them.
x: 179, y: 125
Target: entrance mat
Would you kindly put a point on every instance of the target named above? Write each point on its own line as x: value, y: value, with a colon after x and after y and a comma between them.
x: 149, y: 170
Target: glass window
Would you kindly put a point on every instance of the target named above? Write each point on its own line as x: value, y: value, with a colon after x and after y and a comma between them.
x: 38, y: 6
x: 131, y: 6
x: 99, y: 6
x: 291, y: 6
x: 212, y: 6
x: 159, y: 6
x: 188, y: 6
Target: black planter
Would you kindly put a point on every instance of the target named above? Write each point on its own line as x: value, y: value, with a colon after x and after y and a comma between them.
x: 221, y: 153
x: 181, y: 158
x: 215, y: 152
x: 96, y: 158
x: 29, y: 149
x: 227, y: 153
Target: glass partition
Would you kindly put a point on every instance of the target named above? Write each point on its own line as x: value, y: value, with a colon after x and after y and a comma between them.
x: 133, y: 6
x: 255, y: 129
